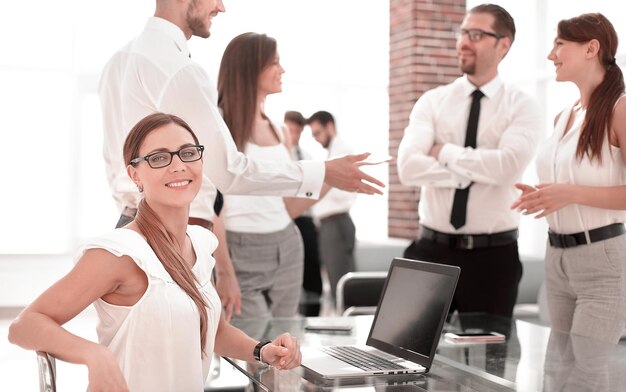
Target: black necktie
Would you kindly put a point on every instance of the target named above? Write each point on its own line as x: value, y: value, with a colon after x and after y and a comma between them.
x: 298, y: 153
x: 459, y: 205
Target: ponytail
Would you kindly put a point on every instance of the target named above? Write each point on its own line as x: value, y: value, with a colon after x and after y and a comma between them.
x: 165, y: 247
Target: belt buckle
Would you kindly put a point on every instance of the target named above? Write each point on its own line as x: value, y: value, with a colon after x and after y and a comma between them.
x: 569, y: 241
x: 466, y: 242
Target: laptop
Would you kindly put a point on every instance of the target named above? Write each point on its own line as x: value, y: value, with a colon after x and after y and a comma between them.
x: 407, y: 325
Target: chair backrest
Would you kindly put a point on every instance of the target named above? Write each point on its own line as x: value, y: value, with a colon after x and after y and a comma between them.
x: 359, y: 292
x: 47, y: 372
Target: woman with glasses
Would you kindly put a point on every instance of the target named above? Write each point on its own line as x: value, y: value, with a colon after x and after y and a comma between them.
x: 159, y: 316
x: 265, y: 245
x: 582, y: 192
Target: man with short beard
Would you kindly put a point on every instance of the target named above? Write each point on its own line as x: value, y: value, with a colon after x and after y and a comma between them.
x: 336, y: 228
x: 466, y: 145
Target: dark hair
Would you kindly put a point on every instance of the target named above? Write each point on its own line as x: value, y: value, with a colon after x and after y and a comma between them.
x: 245, y: 57
x: 323, y: 117
x: 599, y: 116
x: 503, y: 24
x: 295, y: 117
x: 160, y: 240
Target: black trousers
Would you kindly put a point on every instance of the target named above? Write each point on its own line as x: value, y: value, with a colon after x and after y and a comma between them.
x: 489, y: 276
x: 312, y: 282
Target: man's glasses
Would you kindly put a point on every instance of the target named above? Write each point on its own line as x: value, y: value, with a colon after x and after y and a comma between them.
x: 157, y: 160
x: 476, y: 35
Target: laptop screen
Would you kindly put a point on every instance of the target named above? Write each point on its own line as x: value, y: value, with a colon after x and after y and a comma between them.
x: 413, y: 307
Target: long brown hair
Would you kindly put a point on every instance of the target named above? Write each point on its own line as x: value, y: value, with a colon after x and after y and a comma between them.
x: 245, y: 57
x: 599, y: 116
x: 158, y: 237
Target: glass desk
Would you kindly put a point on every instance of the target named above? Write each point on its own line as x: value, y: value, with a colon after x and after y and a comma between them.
x: 533, y: 358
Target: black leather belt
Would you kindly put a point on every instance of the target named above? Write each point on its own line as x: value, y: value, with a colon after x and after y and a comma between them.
x: 469, y: 241
x: 595, y: 235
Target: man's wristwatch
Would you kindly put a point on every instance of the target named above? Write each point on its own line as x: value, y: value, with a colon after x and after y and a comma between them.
x: 257, y: 349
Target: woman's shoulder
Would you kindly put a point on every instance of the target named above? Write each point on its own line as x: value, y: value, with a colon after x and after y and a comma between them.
x: 201, y: 238
x: 565, y: 111
x: 618, y: 122
x: 118, y: 242
x: 620, y: 105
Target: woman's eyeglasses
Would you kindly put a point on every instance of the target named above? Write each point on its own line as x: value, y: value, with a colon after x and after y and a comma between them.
x: 157, y: 160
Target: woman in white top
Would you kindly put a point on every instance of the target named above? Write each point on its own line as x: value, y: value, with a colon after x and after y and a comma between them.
x: 264, y: 243
x: 582, y: 173
x: 159, y: 318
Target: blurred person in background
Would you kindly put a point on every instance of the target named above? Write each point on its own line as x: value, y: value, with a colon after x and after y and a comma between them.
x: 466, y: 145
x: 337, y: 234
x: 312, y: 278
x: 264, y: 243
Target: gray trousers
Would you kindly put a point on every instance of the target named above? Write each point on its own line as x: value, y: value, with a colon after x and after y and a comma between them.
x: 269, y: 268
x: 586, y: 288
x: 336, y: 239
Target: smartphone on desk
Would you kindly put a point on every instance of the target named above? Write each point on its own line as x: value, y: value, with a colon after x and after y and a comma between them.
x: 328, y: 328
x: 475, y: 337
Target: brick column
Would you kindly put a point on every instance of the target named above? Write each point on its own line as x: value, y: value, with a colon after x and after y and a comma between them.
x: 422, y: 56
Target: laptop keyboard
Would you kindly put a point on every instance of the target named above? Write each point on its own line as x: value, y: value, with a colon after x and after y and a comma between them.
x: 362, y: 359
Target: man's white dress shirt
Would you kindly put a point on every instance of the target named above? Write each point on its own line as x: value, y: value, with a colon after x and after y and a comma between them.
x: 155, y: 73
x: 508, y: 133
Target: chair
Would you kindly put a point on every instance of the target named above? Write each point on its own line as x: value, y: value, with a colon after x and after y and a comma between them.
x: 359, y: 292
x: 47, y: 372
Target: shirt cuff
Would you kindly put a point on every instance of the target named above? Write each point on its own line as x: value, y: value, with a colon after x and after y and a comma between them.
x: 460, y: 182
x: 313, y: 173
x: 449, y: 153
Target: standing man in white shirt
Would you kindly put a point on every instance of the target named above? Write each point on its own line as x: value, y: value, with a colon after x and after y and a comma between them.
x: 466, y: 145
x: 154, y: 72
x: 337, y: 231
x: 310, y: 301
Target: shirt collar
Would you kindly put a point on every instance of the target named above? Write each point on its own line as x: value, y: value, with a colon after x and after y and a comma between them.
x: 489, y: 89
x: 171, y: 30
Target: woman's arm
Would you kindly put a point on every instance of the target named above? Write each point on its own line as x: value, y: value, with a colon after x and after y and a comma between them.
x: 38, y: 327
x: 227, y: 284
x: 548, y: 198
x: 282, y: 353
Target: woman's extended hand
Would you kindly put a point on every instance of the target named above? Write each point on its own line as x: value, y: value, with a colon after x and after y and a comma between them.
x: 282, y: 353
x: 526, y: 190
x: 543, y: 199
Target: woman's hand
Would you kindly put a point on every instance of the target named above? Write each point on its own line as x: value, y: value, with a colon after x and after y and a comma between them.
x: 544, y: 199
x: 282, y: 353
x: 105, y: 373
x: 526, y: 190
x: 230, y: 294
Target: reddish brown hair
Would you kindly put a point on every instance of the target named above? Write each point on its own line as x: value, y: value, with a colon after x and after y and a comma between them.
x: 599, y: 116
x: 160, y: 240
x: 245, y: 57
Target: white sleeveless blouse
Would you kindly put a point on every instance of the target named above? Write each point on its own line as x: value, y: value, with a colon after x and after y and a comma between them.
x: 557, y: 163
x: 157, y: 341
x: 259, y: 214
